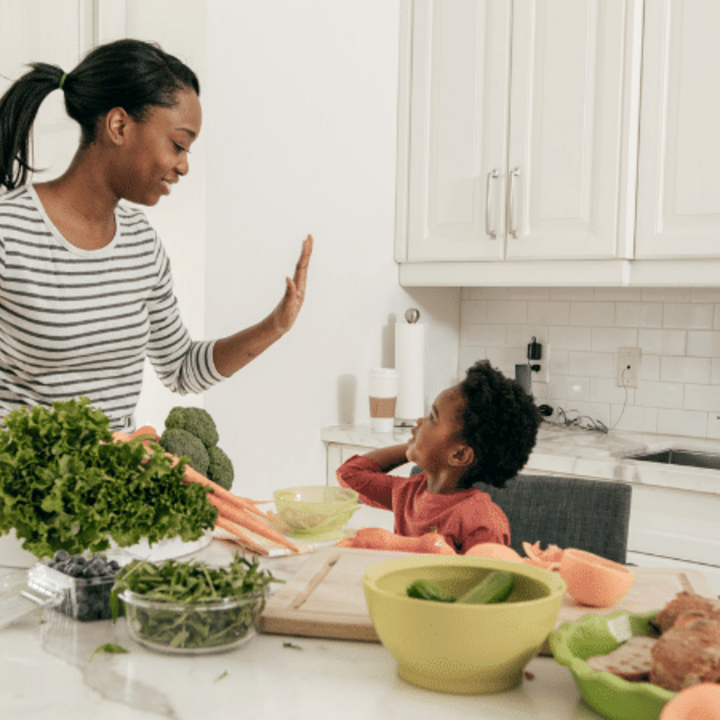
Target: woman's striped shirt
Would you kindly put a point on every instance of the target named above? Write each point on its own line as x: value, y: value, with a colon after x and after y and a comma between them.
x: 79, y: 323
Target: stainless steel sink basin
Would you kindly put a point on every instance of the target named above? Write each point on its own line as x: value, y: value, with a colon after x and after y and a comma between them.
x: 673, y: 456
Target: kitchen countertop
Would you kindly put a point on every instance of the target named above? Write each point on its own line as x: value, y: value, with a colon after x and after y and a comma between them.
x: 574, y: 451
x: 47, y: 673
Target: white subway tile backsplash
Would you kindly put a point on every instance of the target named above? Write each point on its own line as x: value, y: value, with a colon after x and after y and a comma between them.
x: 473, y: 311
x: 510, y: 311
x: 592, y: 314
x: 649, y: 368
x: 663, y: 342
x: 688, y: 316
x: 666, y: 294
x: 570, y: 338
x: 487, y: 335
x: 592, y: 364
x: 633, y: 419
x: 705, y: 294
x: 521, y: 335
x: 530, y: 293
x: 638, y: 314
x: 660, y: 395
x: 681, y: 422
x: 677, y: 330
x: 702, y: 397
x: 702, y: 343
x: 569, y: 294
x: 618, y: 294
x: 549, y: 313
x: 610, y: 339
x: 685, y: 370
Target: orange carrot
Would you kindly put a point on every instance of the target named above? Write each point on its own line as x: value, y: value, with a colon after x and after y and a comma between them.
x: 380, y: 539
x: 235, y: 530
x: 193, y: 475
x: 248, y: 521
x: 145, y: 430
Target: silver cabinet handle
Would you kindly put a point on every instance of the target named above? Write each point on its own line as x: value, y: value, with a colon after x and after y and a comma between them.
x: 488, y: 230
x: 512, y: 230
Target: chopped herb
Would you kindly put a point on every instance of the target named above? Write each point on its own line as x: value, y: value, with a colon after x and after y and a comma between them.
x: 109, y: 648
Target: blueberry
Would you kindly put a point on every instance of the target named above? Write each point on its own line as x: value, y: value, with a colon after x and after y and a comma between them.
x: 61, y: 555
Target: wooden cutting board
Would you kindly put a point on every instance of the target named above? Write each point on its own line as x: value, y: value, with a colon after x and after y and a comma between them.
x: 326, y: 597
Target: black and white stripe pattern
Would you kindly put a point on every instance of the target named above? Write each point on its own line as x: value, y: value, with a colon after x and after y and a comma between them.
x: 80, y: 323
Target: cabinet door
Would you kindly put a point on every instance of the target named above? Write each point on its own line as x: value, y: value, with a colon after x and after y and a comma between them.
x: 678, y: 173
x: 567, y: 118
x: 458, y: 129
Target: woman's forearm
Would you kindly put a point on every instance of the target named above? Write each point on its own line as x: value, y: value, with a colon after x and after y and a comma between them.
x: 236, y: 351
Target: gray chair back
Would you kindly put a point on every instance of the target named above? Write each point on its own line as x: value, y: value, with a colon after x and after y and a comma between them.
x: 592, y: 515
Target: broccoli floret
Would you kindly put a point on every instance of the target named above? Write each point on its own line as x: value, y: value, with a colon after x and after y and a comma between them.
x: 196, y: 421
x: 221, y: 468
x: 182, y: 443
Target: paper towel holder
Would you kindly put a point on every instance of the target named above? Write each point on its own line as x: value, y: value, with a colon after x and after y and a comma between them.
x: 408, y: 419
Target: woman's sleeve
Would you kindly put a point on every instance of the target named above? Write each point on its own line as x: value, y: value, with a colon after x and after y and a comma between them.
x: 365, y: 477
x: 183, y: 365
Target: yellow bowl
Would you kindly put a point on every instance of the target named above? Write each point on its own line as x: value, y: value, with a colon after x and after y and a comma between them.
x: 312, y: 509
x: 461, y: 648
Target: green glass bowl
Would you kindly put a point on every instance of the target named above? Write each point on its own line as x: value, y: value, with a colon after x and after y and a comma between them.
x: 611, y: 696
x: 315, y: 509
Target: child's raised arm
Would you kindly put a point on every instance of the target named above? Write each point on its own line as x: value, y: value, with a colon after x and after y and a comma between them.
x: 389, y: 458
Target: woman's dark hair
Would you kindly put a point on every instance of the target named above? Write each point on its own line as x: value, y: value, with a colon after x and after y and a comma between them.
x: 130, y: 74
x: 499, y: 422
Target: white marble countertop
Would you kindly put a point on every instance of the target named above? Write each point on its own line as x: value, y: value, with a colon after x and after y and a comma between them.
x: 46, y: 673
x: 574, y: 451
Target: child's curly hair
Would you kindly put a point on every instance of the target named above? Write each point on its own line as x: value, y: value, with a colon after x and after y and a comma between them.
x: 499, y: 422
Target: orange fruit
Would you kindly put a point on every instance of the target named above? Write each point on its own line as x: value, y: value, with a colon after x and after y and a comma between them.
x: 494, y: 550
x: 697, y: 702
x: 548, y: 559
x: 594, y: 580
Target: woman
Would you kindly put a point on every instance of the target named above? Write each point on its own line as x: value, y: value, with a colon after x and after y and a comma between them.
x: 86, y: 291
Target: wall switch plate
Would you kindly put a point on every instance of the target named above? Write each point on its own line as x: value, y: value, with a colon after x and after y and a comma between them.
x: 628, y: 367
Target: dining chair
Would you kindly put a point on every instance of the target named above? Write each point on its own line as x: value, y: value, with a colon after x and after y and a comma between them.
x: 578, y: 512
x: 592, y: 515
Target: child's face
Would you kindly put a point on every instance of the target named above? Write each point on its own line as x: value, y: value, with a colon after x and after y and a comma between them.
x: 434, y: 437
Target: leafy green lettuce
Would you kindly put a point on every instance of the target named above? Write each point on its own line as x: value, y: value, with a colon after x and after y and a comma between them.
x: 64, y: 484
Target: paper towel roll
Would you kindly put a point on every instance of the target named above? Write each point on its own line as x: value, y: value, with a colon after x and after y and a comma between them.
x: 410, y: 364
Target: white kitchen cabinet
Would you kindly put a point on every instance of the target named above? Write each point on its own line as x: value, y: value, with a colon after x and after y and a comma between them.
x: 518, y: 130
x: 678, y: 204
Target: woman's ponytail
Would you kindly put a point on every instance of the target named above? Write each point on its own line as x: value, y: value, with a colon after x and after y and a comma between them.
x: 18, y: 109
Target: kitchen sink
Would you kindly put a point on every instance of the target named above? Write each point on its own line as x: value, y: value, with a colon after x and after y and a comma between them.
x: 673, y: 456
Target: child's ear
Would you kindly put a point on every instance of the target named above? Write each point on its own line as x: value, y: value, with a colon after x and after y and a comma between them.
x: 462, y: 456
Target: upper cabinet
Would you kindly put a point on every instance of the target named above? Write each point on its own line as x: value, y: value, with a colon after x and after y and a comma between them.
x: 515, y: 129
x: 559, y: 142
x: 678, y: 205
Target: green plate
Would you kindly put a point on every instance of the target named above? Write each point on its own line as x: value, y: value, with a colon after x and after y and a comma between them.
x: 609, y: 695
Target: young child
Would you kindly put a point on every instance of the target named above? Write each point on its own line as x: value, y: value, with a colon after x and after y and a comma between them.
x: 482, y: 429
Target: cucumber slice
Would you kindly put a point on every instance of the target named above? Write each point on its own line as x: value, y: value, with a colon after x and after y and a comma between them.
x: 425, y: 590
x: 494, y: 588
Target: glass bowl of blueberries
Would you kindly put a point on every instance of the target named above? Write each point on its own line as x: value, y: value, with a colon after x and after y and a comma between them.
x: 81, y: 584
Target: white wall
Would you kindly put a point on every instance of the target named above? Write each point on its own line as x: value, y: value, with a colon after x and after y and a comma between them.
x: 300, y: 125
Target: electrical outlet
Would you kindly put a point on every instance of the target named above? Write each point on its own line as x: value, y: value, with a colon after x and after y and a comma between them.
x: 628, y: 367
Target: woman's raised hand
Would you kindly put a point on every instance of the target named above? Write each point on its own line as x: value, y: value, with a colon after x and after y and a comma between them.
x: 288, y: 308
